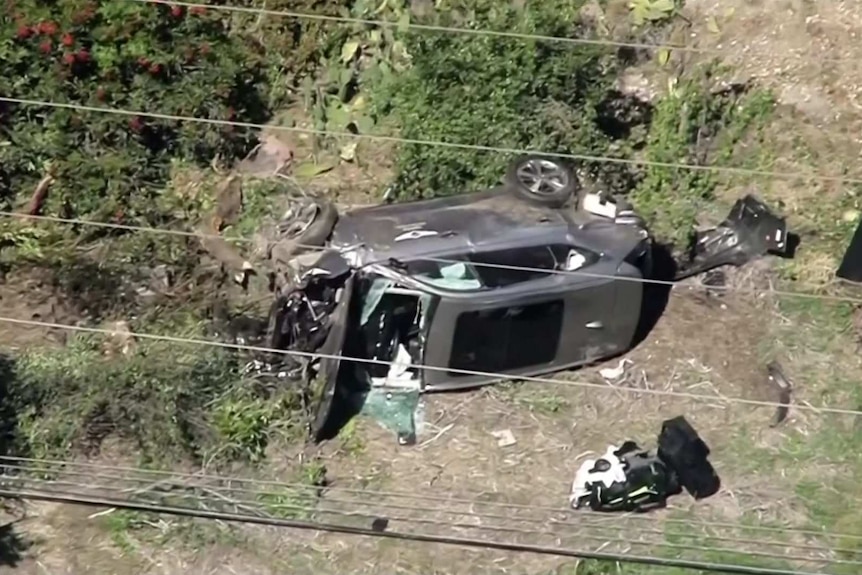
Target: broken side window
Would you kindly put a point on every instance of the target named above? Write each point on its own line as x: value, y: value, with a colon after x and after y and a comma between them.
x: 507, y: 338
x: 506, y: 267
x: 454, y: 275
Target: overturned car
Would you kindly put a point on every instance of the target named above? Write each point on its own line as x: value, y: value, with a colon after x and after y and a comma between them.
x: 534, y: 276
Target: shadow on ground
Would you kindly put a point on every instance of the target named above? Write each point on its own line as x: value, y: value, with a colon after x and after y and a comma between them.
x: 12, y: 546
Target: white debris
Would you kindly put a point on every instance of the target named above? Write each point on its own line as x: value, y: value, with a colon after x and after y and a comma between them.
x: 614, y: 374
x: 504, y: 437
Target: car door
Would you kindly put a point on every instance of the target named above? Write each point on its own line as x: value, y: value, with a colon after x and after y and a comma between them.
x: 592, y: 328
x: 328, y: 386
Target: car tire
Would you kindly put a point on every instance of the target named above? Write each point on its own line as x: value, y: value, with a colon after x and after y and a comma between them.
x: 312, y: 237
x: 316, y: 234
x: 541, y: 180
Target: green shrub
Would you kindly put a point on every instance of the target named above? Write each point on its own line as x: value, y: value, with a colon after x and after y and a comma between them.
x: 70, y: 400
x: 696, y: 125
x: 141, y: 57
x: 494, y: 91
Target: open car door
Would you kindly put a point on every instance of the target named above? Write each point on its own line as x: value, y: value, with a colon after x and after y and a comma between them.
x: 327, y: 383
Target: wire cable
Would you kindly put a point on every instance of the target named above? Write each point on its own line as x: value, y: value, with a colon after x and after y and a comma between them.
x: 79, y: 499
x: 491, y: 375
x: 452, y: 145
x: 582, y: 273
x: 584, y: 519
x: 453, y: 30
x: 252, y: 506
x: 166, y: 475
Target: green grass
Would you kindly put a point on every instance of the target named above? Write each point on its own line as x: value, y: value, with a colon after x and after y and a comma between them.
x: 693, y: 125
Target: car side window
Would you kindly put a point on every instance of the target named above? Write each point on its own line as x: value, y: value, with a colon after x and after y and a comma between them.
x: 506, y: 267
x: 500, y: 268
x: 507, y: 338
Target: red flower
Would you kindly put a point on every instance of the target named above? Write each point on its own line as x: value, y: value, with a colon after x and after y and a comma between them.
x: 176, y: 12
x: 24, y: 32
x: 67, y: 40
x: 198, y: 10
x: 48, y: 28
x: 155, y: 69
x: 68, y: 58
x: 204, y: 49
x: 45, y: 47
x: 101, y: 95
x: 82, y: 56
x: 136, y: 124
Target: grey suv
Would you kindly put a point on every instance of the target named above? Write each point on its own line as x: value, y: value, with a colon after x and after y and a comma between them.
x: 537, y: 275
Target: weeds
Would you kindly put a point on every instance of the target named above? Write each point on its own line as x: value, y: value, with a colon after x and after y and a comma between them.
x: 693, y: 124
x: 170, y: 403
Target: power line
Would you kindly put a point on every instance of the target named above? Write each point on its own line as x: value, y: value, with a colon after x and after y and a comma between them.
x: 417, y: 496
x: 486, y: 374
x: 249, y: 506
x: 81, y: 499
x: 166, y: 475
x: 455, y: 30
x: 429, y: 27
x: 582, y: 273
x: 441, y: 144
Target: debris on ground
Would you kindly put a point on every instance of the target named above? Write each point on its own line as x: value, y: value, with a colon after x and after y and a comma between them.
x: 271, y: 157
x: 504, y: 437
x: 397, y: 410
x: 618, y: 373
x: 629, y: 478
x: 783, y: 387
x: 750, y: 230
x: 120, y: 339
x: 715, y: 282
x: 379, y: 524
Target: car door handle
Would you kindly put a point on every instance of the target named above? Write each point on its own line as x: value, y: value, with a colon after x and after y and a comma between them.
x: 595, y: 325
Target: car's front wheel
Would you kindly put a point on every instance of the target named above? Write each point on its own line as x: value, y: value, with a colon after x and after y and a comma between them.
x: 542, y: 180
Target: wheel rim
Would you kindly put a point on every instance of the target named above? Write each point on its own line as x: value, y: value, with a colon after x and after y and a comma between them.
x: 542, y: 177
x: 302, y: 215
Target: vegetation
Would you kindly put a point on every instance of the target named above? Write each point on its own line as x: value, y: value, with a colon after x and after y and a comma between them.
x: 161, y: 59
x: 196, y: 406
x: 171, y: 404
x: 107, y: 55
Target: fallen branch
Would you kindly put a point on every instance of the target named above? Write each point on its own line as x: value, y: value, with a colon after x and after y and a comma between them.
x: 34, y: 206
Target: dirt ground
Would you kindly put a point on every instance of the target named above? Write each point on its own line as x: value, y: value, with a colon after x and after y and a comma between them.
x: 458, y: 481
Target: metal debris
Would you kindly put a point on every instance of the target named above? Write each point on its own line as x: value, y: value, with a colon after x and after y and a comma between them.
x: 779, y: 381
x: 504, y: 437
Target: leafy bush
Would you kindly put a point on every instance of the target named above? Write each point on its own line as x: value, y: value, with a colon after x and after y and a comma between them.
x: 123, y: 55
x: 495, y: 91
x: 168, y: 403
x: 693, y: 124
x: 559, y: 98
